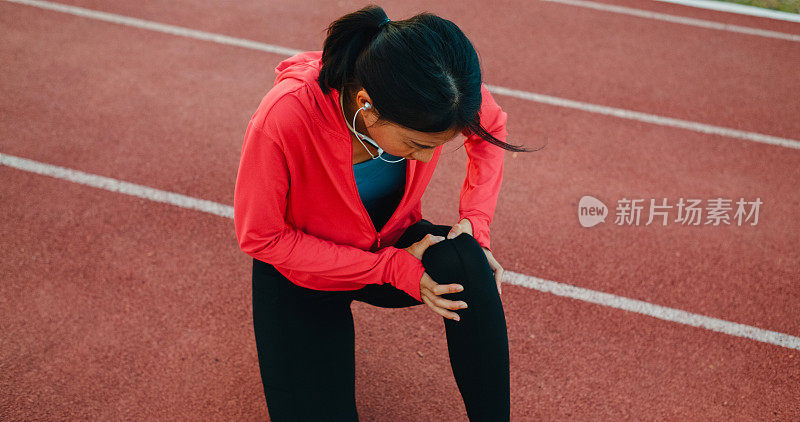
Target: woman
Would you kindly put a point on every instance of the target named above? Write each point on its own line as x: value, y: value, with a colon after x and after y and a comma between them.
x: 327, y: 203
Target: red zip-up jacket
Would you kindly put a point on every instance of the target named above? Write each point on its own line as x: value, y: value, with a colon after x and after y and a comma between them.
x: 296, y: 204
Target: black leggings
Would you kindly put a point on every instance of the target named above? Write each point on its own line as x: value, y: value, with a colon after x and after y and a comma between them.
x: 306, y: 338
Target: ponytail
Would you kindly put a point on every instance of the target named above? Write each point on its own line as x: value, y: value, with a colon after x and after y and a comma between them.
x: 347, y: 38
x: 421, y: 73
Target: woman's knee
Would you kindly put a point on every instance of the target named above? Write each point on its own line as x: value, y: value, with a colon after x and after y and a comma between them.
x: 460, y: 260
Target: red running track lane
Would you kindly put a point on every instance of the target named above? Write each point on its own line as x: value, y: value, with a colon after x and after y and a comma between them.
x: 716, y: 77
x: 175, y: 127
x: 115, y: 308
x: 178, y: 126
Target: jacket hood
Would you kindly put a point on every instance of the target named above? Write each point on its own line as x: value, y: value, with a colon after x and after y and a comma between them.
x: 303, y: 69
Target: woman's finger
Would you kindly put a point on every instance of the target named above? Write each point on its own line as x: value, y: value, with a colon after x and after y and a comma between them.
x: 429, y: 283
x: 455, y: 231
x: 463, y: 226
x: 440, y: 311
x: 449, y: 304
x: 499, y: 276
x: 492, y: 262
x: 441, y: 289
x: 498, y: 270
x: 445, y: 303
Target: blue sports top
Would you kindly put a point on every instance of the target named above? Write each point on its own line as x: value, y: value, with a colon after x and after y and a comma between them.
x: 380, y: 185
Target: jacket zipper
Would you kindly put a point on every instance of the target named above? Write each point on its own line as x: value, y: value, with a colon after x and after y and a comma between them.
x: 402, y: 198
x: 364, y: 211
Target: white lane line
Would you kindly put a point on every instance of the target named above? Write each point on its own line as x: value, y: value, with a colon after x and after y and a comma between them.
x: 679, y: 19
x: 741, y: 9
x: 525, y: 95
x: 646, y: 118
x: 560, y: 289
x: 656, y: 311
x: 158, y: 27
x: 114, y: 185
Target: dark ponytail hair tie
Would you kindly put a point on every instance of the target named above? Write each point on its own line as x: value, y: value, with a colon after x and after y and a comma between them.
x: 382, y: 24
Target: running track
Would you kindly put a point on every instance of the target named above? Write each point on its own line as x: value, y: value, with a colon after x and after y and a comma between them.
x: 113, y: 306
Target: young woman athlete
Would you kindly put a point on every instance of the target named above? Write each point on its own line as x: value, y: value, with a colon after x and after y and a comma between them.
x: 327, y: 203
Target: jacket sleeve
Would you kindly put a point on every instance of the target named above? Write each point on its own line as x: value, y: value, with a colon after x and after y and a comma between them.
x: 481, y: 185
x: 259, y: 207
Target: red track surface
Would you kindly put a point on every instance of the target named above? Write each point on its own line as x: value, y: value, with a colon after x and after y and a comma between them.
x: 114, y: 307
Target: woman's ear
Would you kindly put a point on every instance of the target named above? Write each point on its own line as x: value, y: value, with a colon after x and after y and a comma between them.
x: 370, y: 115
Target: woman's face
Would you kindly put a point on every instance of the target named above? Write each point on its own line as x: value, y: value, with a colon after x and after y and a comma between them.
x: 398, y: 140
x: 404, y: 142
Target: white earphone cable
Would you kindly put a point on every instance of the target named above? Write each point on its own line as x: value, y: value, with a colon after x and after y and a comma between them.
x: 359, y: 136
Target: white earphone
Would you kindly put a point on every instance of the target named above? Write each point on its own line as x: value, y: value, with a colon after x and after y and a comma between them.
x: 368, y: 139
x: 361, y: 136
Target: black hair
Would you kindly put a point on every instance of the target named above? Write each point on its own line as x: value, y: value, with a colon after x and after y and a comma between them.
x: 422, y: 73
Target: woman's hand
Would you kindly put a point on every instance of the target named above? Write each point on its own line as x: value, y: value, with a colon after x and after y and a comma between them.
x: 498, y: 270
x: 429, y: 289
x: 464, y: 226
